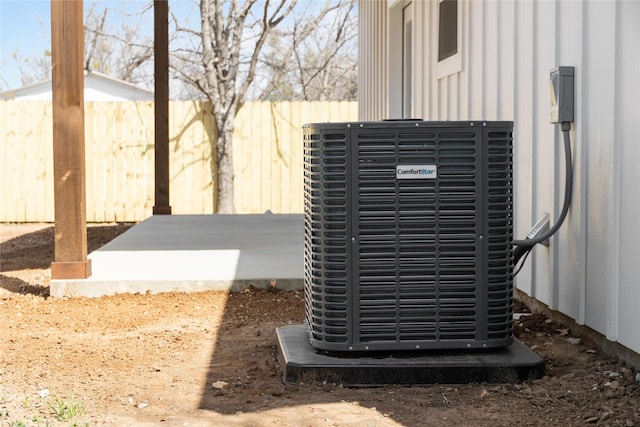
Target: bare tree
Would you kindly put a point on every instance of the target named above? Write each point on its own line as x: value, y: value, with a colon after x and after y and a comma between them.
x: 32, y: 69
x: 124, y: 53
x: 227, y: 27
x: 121, y: 51
x: 315, y: 59
x: 241, y: 44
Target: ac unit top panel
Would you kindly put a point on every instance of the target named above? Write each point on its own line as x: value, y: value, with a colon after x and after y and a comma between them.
x: 390, y: 124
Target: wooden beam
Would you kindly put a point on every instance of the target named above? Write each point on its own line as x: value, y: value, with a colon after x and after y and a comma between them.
x: 161, y: 100
x: 67, y: 49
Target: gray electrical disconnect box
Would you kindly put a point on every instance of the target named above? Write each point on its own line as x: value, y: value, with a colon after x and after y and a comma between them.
x: 561, y: 85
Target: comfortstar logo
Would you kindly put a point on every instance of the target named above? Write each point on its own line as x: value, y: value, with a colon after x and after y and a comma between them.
x: 416, y: 172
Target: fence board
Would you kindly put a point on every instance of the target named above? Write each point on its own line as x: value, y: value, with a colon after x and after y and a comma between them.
x: 295, y: 165
x: 8, y: 136
x: 91, y: 175
x: 36, y: 161
x: 267, y: 151
x: 46, y: 126
x: 16, y: 166
x: 5, y: 131
x: 145, y: 136
x: 191, y: 133
x: 264, y: 134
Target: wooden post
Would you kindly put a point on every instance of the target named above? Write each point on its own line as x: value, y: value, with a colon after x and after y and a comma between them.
x: 161, y: 101
x: 67, y: 49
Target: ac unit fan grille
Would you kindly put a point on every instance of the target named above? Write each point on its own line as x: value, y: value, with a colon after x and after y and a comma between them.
x: 416, y: 278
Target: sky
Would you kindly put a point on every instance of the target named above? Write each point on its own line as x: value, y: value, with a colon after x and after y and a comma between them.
x: 25, y: 29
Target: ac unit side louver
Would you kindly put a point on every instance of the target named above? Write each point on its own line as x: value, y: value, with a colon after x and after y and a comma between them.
x: 407, y: 228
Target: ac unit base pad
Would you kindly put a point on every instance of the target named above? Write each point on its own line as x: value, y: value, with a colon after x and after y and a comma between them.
x: 299, y: 362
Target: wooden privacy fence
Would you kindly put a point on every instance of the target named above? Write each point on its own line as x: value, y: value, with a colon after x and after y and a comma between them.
x: 120, y: 158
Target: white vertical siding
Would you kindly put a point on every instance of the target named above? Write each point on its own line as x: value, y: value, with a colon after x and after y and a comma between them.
x: 627, y: 159
x: 473, y: 70
x: 422, y: 80
x: 372, y: 56
x: 506, y: 47
x: 523, y: 117
x: 544, y: 143
x: 570, y: 238
x: 590, y: 270
x: 597, y: 69
x: 488, y: 35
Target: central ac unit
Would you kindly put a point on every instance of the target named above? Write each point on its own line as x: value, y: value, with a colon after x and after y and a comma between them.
x: 408, y: 228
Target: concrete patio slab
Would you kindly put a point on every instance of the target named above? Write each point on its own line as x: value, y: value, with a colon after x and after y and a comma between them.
x: 190, y: 253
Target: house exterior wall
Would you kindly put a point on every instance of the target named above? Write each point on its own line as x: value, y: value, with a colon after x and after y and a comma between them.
x: 590, y: 271
x: 372, y: 57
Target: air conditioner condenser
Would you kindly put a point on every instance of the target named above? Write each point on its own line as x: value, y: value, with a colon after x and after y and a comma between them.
x: 408, y: 228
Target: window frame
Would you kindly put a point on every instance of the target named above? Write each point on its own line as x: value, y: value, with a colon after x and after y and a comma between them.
x: 395, y: 40
x: 452, y: 64
x: 407, y: 61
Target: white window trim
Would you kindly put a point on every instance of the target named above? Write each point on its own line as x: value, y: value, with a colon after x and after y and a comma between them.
x: 452, y: 64
x: 394, y: 57
x: 407, y: 62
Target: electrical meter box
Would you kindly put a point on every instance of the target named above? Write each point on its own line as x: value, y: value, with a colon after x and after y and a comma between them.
x: 561, y: 85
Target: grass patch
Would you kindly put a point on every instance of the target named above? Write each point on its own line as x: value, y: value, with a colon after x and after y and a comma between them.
x: 66, y: 409
x: 63, y: 409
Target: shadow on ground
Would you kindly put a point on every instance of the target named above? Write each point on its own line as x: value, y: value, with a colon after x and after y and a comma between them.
x: 30, y: 256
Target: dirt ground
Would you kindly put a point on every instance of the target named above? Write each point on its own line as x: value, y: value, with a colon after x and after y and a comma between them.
x: 209, y: 359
